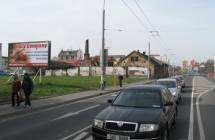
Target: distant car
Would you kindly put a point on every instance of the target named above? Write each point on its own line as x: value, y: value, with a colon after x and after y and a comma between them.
x: 179, y: 84
x: 22, y: 72
x: 138, y: 112
x: 173, y: 87
x: 3, y: 73
x: 182, y: 82
x: 13, y: 73
x: 16, y: 72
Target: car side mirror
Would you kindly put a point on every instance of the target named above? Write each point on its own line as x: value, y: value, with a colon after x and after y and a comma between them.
x: 110, y: 101
x: 168, y: 104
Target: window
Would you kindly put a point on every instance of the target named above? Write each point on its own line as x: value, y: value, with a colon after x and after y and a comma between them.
x: 165, y: 96
x: 132, y: 59
x: 136, y: 58
x: 138, y: 98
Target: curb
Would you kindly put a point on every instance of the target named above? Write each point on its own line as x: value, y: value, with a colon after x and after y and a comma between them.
x: 28, y: 111
x: 54, y: 104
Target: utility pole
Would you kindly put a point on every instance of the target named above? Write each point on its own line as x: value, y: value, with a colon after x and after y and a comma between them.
x: 102, y: 83
x: 214, y: 64
x: 152, y: 33
x: 149, y: 73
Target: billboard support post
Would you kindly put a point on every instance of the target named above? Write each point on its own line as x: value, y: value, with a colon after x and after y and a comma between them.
x: 40, y: 80
x: 30, y: 54
x: 36, y: 75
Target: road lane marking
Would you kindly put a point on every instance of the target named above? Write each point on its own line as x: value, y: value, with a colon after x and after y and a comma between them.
x: 190, y: 136
x: 77, y: 132
x: 199, y: 117
x: 81, y: 136
x: 76, y: 113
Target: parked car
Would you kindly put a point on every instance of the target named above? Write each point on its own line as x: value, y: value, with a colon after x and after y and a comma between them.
x: 16, y: 72
x: 3, y: 73
x: 21, y: 72
x: 178, y: 83
x: 173, y: 87
x: 182, y: 82
x: 138, y: 112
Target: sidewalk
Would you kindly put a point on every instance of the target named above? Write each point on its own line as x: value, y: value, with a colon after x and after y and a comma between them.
x: 7, y: 110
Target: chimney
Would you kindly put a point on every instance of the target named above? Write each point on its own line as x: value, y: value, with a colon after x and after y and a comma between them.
x: 86, y: 54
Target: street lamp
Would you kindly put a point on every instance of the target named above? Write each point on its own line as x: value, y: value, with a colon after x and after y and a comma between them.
x: 152, y: 33
x: 173, y: 65
x: 102, y: 83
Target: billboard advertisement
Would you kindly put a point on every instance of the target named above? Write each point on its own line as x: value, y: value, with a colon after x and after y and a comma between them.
x: 137, y: 71
x: 29, y: 54
x: 0, y: 56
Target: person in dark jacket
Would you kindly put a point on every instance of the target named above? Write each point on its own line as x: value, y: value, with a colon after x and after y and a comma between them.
x: 27, y: 86
x: 120, y: 78
x: 16, y: 88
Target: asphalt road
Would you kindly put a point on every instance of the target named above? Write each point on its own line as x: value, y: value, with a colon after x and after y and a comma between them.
x: 73, y: 121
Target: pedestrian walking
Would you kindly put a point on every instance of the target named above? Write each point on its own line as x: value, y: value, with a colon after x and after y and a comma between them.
x: 27, y: 86
x: 120, y: 78
x: 16, y: 88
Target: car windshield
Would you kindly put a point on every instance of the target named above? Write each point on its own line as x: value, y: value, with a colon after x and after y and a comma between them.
x: 168, y: 84
x: 138, y: 98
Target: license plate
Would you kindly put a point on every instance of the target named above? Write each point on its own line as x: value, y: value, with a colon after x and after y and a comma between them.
x: 117, y: 137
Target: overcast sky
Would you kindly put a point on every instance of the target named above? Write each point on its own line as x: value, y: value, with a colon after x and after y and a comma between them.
x: 186, y: 27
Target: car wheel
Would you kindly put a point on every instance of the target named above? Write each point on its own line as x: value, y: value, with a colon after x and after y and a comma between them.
x: 165, y: 135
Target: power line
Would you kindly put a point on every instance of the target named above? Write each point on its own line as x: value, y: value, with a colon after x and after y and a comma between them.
x: 163, y: 44
x: 142, y: 11
x: 134, y: 14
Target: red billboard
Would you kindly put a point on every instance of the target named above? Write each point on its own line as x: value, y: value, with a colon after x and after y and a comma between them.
x: 29, y: 54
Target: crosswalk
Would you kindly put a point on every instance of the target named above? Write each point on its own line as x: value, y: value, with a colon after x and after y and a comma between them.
x: 201, y: 89
x: 202, y: 85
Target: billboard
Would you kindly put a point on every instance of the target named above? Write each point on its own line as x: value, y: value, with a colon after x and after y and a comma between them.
x: 0, y: 56
x: 137, y: 71
x: 29, y: 54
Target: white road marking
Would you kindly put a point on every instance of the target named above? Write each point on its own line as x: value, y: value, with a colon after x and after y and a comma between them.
x: 190, y: 136
x: 90, y: 138
x: 75, y: 113
x: 201, y: 127
x: 81, y: 136
x: 77, y: 132
x: 200, y: 124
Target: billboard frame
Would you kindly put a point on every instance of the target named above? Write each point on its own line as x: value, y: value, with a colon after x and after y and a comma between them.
x: 49, y: 52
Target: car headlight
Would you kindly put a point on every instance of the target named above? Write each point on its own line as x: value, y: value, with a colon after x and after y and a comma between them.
x: 174, y: 93
x: 148, y: 127
x: 98, y: 123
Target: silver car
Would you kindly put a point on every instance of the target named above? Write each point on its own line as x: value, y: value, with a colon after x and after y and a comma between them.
x: 173, y: 87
